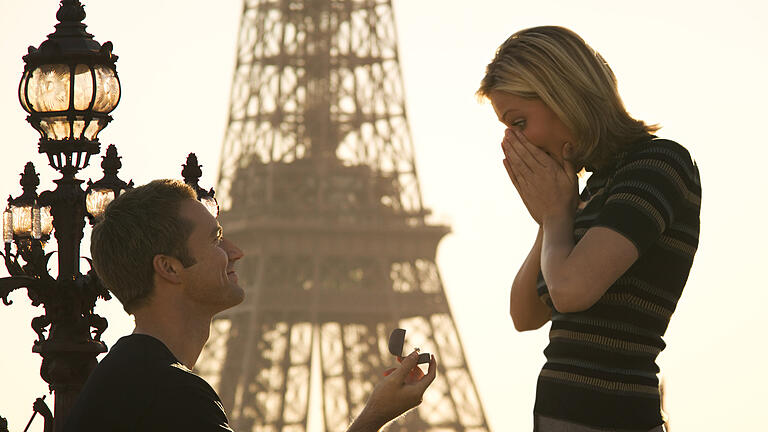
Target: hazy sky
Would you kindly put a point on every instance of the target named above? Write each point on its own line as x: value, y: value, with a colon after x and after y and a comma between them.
x: 696, y: 67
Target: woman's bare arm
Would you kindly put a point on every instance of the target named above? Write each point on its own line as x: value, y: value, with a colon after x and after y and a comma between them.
x: 578, y: 275
x: 527, y: 311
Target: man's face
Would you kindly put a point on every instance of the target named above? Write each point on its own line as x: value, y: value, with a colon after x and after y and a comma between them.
x: 211, y: 281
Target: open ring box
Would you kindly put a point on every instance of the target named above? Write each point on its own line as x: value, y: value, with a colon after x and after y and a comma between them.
x: 396, y: 343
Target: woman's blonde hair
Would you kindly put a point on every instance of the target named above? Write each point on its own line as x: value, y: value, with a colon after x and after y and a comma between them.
x: 554, y: 64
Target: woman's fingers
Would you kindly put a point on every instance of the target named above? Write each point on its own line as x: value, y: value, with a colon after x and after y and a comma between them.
x: 520, y: 192
x: 509, y: 172
x: 512, y: 153
x: 531, y: 155
x: 518, y: 171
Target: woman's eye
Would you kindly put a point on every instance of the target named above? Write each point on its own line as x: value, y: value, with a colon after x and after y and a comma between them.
x: 520, y: 123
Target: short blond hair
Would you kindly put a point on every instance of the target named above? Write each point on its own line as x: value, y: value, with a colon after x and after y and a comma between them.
x: 555, y: 65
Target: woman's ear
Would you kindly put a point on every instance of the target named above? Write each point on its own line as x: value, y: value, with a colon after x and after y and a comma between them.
x: 568, y: 151
x: 167, y: 268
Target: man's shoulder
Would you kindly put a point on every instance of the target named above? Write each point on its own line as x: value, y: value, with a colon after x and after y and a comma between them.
x: 139, y: 348
x: 145, y: 362
x: 177, y: 378
x: 133, y: 359
x: 124, y: 384
x: 194, y: 403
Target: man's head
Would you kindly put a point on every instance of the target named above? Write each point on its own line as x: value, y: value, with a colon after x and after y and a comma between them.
x: 160, y: 230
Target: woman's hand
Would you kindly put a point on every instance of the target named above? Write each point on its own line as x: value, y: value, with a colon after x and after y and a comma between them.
x: 535, y: 216
x: 548, y: 188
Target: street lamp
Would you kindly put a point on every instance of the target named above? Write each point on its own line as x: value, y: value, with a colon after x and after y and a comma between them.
x: 27, y: 219
x: 100, y: 194
x: 69, y: 86
x: 191, y: 172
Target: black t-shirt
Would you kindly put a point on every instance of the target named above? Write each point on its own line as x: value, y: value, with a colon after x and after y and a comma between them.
x: 141, y: 386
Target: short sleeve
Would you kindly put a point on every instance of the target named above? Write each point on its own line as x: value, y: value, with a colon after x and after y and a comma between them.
x: 651, y: 188
x: 187, y: 403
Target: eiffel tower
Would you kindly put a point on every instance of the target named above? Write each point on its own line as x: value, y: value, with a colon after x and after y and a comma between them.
x: 318, y: 186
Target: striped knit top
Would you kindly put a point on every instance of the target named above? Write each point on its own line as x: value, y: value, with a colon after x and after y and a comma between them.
x: 601, y: 363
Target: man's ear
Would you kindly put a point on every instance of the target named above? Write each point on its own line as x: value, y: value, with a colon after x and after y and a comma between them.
x: 167, y: 268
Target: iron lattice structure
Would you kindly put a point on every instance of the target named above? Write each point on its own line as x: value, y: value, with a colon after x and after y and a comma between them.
x: 318, y: 185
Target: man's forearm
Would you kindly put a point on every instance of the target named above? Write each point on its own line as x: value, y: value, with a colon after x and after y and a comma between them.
x: 366, y: 422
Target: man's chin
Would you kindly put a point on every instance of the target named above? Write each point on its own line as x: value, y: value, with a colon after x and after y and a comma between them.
x: 238, y: 295
x: 234, y: 297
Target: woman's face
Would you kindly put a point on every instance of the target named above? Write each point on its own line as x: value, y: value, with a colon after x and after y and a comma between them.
x: 535, y: 120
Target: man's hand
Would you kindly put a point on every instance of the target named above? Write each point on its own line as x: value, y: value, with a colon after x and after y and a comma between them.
x: 401, y: 389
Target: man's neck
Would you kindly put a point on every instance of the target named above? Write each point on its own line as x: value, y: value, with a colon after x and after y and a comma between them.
x: 184, y: 336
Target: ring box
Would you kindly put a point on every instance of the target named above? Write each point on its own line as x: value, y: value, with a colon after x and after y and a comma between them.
x: 396, y: 343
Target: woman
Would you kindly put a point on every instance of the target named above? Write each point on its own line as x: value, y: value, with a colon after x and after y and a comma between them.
x: 608, y: 265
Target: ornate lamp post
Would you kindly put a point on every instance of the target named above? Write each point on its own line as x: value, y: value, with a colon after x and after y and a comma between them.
x: 191, y: 172
x: 69, y: 87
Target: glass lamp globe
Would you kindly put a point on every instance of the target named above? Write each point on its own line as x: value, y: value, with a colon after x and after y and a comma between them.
x: 7, y: 226
x: 45, y: 93
x: 97, y: 200
x: 99, y: 194
x: 69, y: 87
x: 24, y: 217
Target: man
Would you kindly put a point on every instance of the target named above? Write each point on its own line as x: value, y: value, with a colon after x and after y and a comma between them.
x: 164, y: 256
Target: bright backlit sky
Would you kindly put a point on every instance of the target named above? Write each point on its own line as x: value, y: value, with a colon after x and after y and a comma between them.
x: 697, y: 67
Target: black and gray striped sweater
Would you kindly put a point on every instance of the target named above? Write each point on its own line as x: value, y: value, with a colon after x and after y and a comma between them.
x: 601, y: 363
